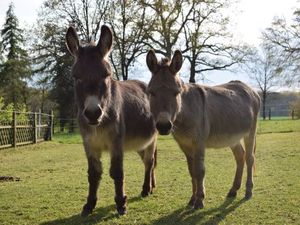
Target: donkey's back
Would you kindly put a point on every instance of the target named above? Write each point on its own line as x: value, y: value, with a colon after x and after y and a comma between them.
x: 138, y: 120
x: 231, y: 112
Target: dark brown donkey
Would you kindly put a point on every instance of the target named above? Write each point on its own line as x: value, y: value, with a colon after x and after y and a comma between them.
x: 201, y: 117
x: 112, y: 115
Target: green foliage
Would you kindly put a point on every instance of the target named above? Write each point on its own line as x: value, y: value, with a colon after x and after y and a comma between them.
x: 53, y: 67
x: 53, y: 186
x: 6, y: 112
x: 16, y: 66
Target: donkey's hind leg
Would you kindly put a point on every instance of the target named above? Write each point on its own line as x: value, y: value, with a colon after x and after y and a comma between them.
x: 250, y: 160
x: 239, y: 155
x: 148, y: 156
x: 94, y: 176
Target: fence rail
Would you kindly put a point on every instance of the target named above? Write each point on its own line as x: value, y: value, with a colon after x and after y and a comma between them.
x: 21, y: 128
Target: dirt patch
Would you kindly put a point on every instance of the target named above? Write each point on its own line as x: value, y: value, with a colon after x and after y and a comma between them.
x: 9, y: 178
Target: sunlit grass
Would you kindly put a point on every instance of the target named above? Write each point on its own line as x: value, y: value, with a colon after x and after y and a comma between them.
x: 53, y: 185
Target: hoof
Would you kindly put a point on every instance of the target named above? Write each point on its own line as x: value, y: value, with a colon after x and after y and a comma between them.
x: 248, y: 195
x: 87, y: 210
x: 231, y: 194
x: 121, y: 205
x: 122, y: 211
x: 145, y: 194
x: 191, y: 202
x: 198, y: 204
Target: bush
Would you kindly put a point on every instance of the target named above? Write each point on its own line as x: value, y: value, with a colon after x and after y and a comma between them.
x: 296, y: 107
x: 6, y: 112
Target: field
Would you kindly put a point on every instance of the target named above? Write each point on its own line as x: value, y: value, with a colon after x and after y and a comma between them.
x: 53, y: 184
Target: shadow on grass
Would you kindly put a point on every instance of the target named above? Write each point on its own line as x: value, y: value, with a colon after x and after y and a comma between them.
x: 188, y: 216
x: 99, y: 214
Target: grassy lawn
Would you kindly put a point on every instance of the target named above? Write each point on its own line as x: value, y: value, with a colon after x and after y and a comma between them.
x: 278, y: 126
x: 53, y: 184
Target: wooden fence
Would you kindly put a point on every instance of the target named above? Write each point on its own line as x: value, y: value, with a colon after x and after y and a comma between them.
x: 19, y: 128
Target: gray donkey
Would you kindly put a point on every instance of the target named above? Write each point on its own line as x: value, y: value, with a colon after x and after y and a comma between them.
x: 112, y: 115
x: 201, y: 117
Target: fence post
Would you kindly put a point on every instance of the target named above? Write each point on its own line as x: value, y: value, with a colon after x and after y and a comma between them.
x: 14, y: 128
x: 34, y: 128
x: 269, y: 114
x: 51, y: 127
x: 293, y: 114
x: 39, y: 123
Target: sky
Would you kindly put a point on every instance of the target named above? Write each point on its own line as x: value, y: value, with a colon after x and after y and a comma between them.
x: 250, y: 17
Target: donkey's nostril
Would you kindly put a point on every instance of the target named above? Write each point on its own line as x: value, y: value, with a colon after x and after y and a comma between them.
x: 164, y: 128
x: 93, y: 114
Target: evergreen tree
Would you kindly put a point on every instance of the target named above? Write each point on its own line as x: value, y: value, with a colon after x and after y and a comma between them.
x: 16, y: 66
x: 53, y: 67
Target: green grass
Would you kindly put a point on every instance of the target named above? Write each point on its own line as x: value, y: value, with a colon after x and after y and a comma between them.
x: 53, y: 184
x: 278, y: 126
x: 67, y: 138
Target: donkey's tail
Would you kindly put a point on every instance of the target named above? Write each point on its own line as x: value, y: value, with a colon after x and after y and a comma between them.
x: 155, y: 157
x: 254, y: 152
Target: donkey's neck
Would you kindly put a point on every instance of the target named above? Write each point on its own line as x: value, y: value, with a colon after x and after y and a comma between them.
x: 192, y: 101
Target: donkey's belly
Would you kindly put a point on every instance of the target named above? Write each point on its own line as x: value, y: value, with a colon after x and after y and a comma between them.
x: 137, y: 143
x: 102, y: 141
x: 225, y: 140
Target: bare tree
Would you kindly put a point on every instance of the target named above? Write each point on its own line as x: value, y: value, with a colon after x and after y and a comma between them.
x: 285, y: 38
x: 128, y: 25
x: 166, y: 21
x: 208, y: 40
x: 85, y: 15
x: 262, y: 68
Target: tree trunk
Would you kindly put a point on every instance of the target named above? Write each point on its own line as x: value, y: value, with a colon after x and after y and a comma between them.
x: 62, y: 125
x: 192, y: 72
x: 126, y: 72
x: 264, y: 98
x: 123, y: 69
x: 43, y: 100
x: 168, y: 52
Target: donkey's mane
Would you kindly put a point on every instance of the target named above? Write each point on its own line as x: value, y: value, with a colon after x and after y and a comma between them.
x: 164, y: 62
x: 87, y: 44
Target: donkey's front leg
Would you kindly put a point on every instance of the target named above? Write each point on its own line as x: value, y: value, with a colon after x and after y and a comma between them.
x: 194, y: 184
x: 149, y: 159
x: 117, y: 174
x: 94, y: 176
x: 198, y: 175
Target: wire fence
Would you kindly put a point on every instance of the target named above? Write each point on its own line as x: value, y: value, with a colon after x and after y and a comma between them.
x: 65, y: 125
x: 271, y: 113
x: 21, y: 128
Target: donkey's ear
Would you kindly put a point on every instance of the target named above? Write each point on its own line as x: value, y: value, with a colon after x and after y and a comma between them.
x: 72, y: 41
x: 105, y: 42
x: 151, y: 61
x: 176, y: 62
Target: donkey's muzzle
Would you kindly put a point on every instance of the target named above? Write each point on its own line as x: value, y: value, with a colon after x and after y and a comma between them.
x: 164, y: 128
x: 93, y: 115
